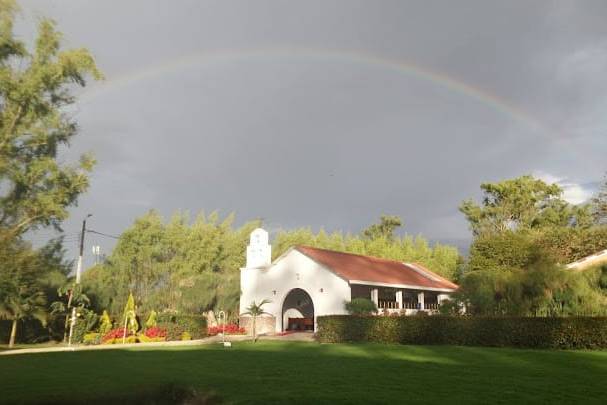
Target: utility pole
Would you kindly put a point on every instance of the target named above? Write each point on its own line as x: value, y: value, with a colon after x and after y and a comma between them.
x: 78, y: 272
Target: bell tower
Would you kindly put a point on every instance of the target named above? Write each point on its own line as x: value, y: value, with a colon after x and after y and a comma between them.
x: 259, y: 251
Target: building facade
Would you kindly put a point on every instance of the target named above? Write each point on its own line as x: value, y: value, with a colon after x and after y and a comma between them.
x: 307, y: 282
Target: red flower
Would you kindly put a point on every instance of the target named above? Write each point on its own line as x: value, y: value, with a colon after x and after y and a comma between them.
x: 229, y: 329
x: 115, y: 334
x: 156, y: 332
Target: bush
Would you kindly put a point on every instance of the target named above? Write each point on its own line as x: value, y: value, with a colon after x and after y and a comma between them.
x: 146, y: 339
x: 176, y: 324
x: 186, y: 336
x: 546, y: 333
x: 156, y: 332
x: 229, y: 329
x: 361, y: 306
x: 114, y: 335
x: 92, y: 338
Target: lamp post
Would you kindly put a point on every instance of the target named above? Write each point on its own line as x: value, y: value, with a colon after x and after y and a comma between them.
x: 78, y: 273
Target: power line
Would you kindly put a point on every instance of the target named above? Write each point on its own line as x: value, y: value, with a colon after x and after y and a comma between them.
x: 103, y: 234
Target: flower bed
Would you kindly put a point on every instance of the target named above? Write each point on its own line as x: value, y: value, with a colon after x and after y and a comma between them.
x: 229, y: 329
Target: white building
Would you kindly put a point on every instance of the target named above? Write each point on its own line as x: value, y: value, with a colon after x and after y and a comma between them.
x: 307, y: 282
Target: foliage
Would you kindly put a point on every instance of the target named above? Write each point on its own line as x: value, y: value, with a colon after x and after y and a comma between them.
x: 519, y: 204
x: 255, y: 310
x: 156, y: 332
x: 361, y: 306
x: 185, y: 335
x: 385, y: 229
x: 540, y: 287
x: 105, y: 323
x: 35, y: 91
x: 151, y: 322
x: 174, y: 267
x: 130, y: 315
x: 92, y: 338
x: 86, y: 320
x: 176, y: 324
x: 441, y: 259
x: 20, y: 294
x: 545, y: 333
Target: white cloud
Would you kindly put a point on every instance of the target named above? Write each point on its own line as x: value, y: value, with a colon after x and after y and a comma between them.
x: 573, y: 193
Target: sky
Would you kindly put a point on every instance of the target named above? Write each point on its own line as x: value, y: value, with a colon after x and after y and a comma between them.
x: 331, y: 113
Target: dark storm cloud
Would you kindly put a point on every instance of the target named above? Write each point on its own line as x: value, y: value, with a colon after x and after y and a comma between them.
x: 300, y: 138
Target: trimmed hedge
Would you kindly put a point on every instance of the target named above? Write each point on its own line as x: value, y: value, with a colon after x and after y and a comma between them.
x: 548, y: 333
x: 177, y: 324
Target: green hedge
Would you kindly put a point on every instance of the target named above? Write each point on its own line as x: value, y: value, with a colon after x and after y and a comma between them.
x: 554, y: 333
x: 177, y: 324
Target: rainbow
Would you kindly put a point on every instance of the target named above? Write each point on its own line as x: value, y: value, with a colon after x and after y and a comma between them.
x: 204, y: 59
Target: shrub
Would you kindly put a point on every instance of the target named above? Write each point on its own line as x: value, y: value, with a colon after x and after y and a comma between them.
x: 145, y: 339
x: 229, y: 329
x: 186, y: 336
x: 156, y: 332
x: 151, y: 322
x: 548, y: 333
x: 361, y: 306
x: 117, y: 333
x: 105, y: 323
x: 92, y: 338
x: 176, y: 324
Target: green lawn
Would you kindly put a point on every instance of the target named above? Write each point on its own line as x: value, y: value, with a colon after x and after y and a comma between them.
x: 278, y: 372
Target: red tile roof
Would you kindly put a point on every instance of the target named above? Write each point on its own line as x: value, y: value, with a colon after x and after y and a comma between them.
x: 370, y: 269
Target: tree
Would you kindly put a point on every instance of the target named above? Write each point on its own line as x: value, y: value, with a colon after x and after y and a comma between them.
x: 385, y: 229
x: 255, y: 310
x: 599, y: 204
x: 35, y: 89
x: 20, y: 297
x: 520, y: 204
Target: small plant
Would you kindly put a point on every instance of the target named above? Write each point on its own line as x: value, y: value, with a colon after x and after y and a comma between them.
x: 256, y: 310
x: 361, y: 306
x: 151, y: 322
x: 92, y: 338
x: 156, y: 332
x: 105, y: 323
x: 186, y: 336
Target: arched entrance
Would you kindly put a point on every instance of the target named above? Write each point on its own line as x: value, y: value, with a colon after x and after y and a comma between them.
x: 298, y: 311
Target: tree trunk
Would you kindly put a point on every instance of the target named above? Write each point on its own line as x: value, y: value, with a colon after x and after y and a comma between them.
x: 11, y: 342
x: 254, y: 330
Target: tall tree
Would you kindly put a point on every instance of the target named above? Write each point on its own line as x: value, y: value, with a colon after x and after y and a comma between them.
x: 35, y: 89
x: 520, y: 204
x: 385, y: 229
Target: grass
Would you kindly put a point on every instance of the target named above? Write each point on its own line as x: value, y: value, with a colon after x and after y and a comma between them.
x: 295, y: 372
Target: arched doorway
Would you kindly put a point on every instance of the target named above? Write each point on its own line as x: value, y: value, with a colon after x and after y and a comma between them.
x: 298, y: 311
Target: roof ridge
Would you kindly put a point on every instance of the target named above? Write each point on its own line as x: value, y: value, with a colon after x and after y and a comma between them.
x: 351, y: 254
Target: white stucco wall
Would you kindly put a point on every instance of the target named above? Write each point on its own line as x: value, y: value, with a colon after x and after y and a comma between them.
x: 293, y: 270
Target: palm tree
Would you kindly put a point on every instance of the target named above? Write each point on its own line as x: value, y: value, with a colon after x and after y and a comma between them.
x: 21, y: 302
x: 256, y: 310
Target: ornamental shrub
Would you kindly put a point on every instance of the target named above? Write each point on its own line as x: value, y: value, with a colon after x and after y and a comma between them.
x: 186, y: 336
x: 92, y: 338
x: 229, y: 329
x: 105, y: 323
x: 361, y: 306
x: 151, y: 322
x: 156, y: 332
x: 176, y: 324
x: 537, y: 332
